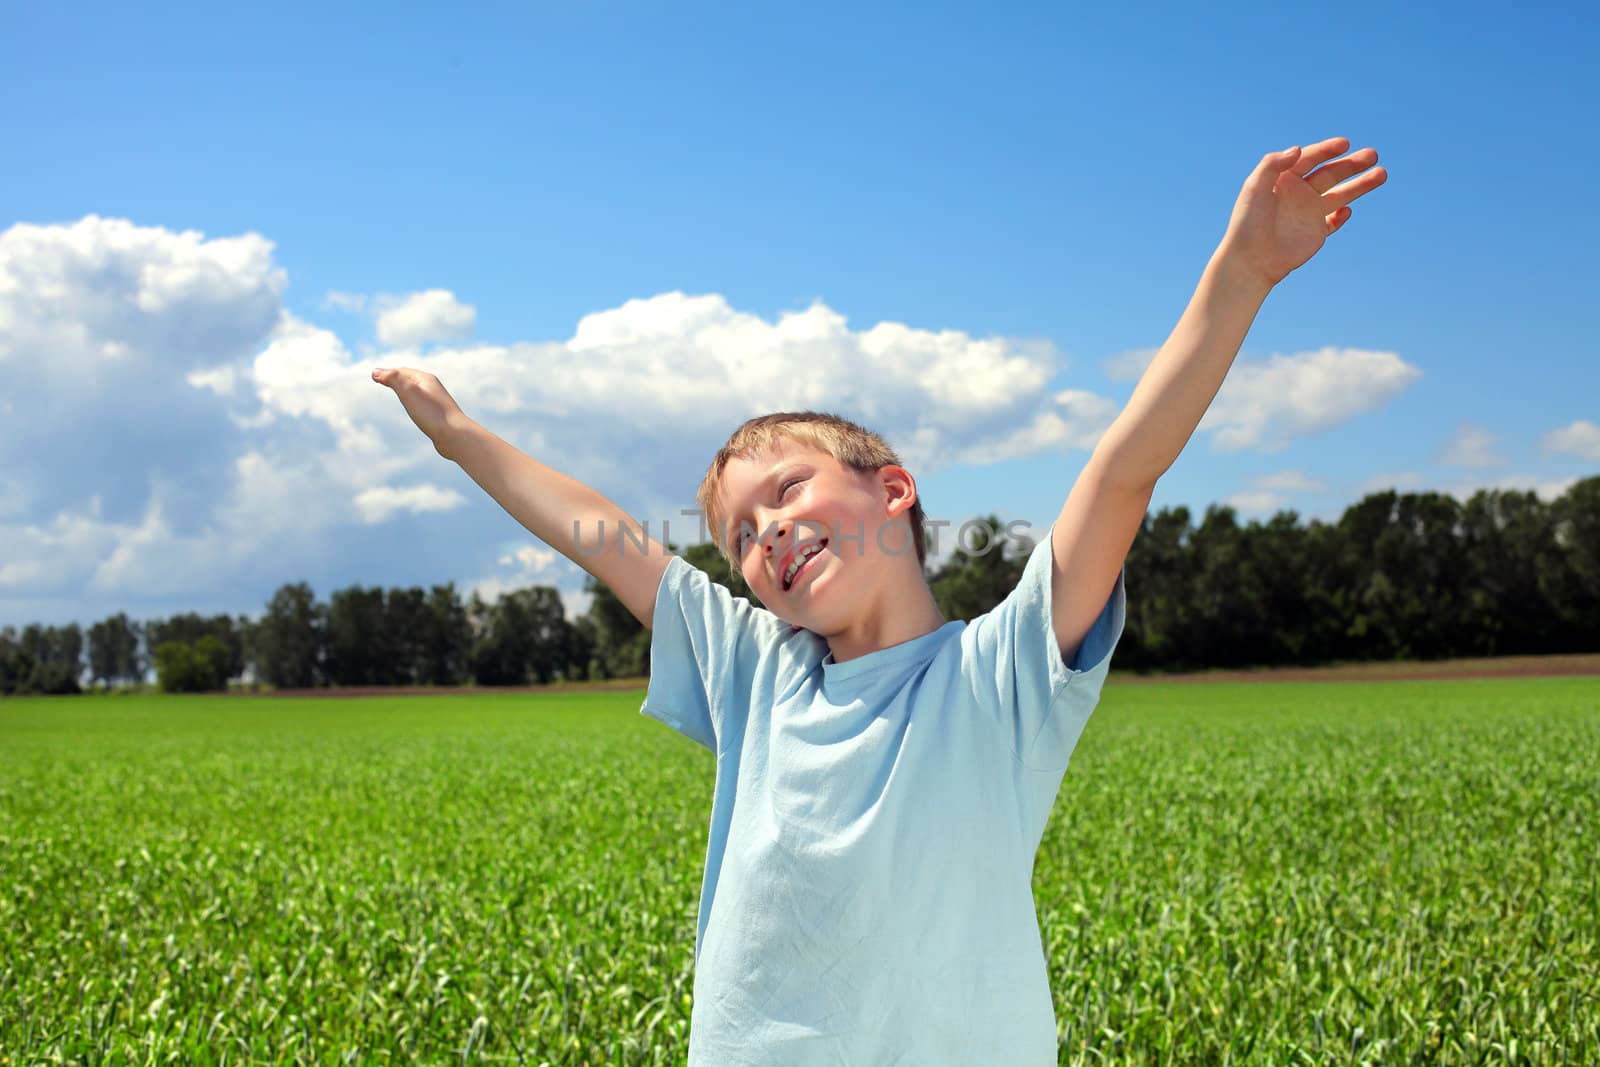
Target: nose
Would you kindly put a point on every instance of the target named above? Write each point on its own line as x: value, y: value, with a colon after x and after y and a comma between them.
x: 780, y: 530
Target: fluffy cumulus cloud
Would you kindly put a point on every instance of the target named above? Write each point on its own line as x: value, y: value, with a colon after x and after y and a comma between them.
x: 176, y: 432
x: 1266, y: 403
x: 122, y: 349
x: 383, y: 501
x: 640, y: 396
x: 1581, y: 439
x: 434, y: 315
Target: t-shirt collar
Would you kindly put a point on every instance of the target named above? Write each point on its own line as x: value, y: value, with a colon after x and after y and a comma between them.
x: 904, y: 654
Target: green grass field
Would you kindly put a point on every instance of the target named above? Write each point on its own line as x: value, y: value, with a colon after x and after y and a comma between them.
x: 1397, y: 872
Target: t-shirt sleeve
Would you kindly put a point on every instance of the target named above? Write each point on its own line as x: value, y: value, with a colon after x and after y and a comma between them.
x: 1039, y: 698
x: 706, y: 648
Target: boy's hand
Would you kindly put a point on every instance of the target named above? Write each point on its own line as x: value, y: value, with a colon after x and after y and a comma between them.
x: 424, y: 397
x: 1288, y: 206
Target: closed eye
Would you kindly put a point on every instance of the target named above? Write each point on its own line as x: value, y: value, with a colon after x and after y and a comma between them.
x: 742, y: 539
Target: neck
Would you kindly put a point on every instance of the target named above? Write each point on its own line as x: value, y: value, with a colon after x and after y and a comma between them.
x: 901, y: 614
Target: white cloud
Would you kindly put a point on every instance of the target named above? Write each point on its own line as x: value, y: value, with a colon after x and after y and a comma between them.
x: 529, y: 564
x: 641, y: 395
x: 1547, y: 489
x: 57, y: 551
x: 433, y: 315
x: 1255, y: 502
x: 219, y: 380
x: 1130, y: 365
x: 1472, y: 447
x: 531, y: 558
x: 1295, y: 481
x: 18, y: 573
x: 1074, y: 420
x: 1269, y: 493
x: 337, y: 301
x: 1398, y: 480
x: 383, y: 502
x: 103, y: 291
x: 1264, y: 404
x: 187, y: 437
x: 1581, y: 439
x: 86, y: 553
x: 125, y: 349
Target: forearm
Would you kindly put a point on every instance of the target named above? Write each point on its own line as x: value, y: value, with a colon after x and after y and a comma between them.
x: 569, y: 516
x: 1184, y: 377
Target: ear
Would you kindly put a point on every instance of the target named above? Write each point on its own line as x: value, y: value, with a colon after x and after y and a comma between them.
x: 899, y: 487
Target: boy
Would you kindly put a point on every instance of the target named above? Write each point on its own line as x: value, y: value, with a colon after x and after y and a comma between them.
x: 884, y: 777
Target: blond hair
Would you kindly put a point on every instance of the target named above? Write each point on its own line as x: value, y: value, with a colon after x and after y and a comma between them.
x: 853, y: 445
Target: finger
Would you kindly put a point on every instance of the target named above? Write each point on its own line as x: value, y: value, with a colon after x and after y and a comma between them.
x: 1327, y: 177
x: 1337, y: 219
x: 1265, y: 176
x: 393, y: 377
x: 1356, y: 187
x: 1317, y: 154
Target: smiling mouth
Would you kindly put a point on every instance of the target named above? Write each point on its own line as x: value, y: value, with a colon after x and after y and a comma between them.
x: 801, y: 558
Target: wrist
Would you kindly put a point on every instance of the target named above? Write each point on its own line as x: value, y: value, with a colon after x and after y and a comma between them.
x: 1233, y: 272
x: 454, y: 436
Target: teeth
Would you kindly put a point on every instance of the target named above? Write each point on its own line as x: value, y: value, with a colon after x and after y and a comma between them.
x: 799, y: 560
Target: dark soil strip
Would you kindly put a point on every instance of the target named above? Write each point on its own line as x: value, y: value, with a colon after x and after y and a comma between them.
x: 1500, y: 667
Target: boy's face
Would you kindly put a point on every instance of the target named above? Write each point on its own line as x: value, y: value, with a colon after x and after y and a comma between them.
x: 810, y: 535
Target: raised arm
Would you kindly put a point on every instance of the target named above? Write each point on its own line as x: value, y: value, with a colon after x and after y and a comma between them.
x: 1284, y: 213
x: 543, y: 499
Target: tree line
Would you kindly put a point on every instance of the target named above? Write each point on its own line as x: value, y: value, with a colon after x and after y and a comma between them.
x: 359, y: 637
x: 1398, y: 576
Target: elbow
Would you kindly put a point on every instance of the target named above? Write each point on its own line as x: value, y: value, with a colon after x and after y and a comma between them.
x: 1116, y: 463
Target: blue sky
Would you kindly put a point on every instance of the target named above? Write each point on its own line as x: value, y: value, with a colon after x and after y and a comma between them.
x: 212, y: 229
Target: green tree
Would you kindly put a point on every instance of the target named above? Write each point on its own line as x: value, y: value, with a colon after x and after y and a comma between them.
x: 287, y: 640
x: 1509, y: 538
x: 523, y: 637
x: 189, y: 627
x: 360, y: 648
x: 1222, y: 590
x: 448, y: 637
x: 406, y: 622
x: 710, y: 559
x: 541, y: 611
x: 114, y: 651
x: 620, y: 643
x: 986, y: 565
x: 1156, y: 633
x: 1577, y: 534
x: 52, y: 657
x: 16, y: 664
x: 1280, y: 626
x: 198, y: 667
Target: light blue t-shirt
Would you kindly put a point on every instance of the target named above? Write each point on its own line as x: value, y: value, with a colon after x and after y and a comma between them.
x: 868, y: 885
